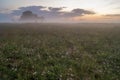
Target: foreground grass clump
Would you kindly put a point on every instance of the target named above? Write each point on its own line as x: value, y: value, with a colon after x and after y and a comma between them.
x: 59, y: 52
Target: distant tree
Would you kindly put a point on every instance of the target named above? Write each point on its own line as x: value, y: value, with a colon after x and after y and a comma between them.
x: 28, y: 16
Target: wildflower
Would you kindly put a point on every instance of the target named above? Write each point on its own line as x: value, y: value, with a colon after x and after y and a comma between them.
x: 34, y: 73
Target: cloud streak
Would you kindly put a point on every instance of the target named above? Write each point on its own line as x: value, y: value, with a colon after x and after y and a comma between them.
x: 112, y: 15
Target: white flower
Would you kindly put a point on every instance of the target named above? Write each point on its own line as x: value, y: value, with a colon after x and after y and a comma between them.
x: 34, y: 73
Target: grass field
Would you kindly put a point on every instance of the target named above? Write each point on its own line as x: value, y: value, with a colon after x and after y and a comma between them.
x: 59, y: 51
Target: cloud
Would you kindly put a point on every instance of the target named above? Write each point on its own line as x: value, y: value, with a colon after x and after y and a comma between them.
x: 78, y: 12
x: 52, y: 13
x: 112, y: 15
x: 55, y: 9
x: 36, y: 9
x: 4, y: 10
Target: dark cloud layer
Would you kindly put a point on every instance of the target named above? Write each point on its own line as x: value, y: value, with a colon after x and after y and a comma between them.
x: 55, y: 9
x: 78, y: 12
x: 36, y: 9
x: 52, y: 13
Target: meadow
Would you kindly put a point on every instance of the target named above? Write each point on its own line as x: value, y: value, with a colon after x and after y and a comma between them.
x: 56, y: 51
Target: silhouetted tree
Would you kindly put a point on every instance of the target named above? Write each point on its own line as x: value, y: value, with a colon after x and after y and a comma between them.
x: 28, y: 16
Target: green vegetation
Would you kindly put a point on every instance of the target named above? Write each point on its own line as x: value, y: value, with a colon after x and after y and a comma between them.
x: 59, y: 52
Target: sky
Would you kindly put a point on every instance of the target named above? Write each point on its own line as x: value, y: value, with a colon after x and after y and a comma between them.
x: 62, y: 10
